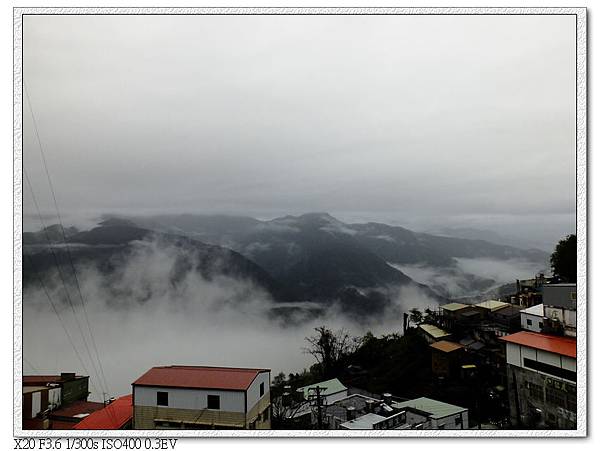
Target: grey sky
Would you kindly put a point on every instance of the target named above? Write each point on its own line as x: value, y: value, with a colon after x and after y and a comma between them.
x: 410, y: 118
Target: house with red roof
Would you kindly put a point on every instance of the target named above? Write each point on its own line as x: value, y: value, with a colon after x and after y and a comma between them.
x: 542, y: 380
x: 202, y: 397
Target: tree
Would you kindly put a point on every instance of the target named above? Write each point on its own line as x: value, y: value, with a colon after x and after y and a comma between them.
x: 416, y: 317
x: 564, y: 259
x: 329, y: 349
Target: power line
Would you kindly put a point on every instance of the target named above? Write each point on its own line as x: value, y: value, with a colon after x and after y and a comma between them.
x: 60, y: 273
x: 77, y: 285
x: 60, y: 320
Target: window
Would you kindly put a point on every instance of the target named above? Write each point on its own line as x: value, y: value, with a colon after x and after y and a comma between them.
x: 529, y: 322
x: 213, y: 402
x: 262, y: 389
x: 162, y: 398
x: 541, y: 325
x: 457, y: 421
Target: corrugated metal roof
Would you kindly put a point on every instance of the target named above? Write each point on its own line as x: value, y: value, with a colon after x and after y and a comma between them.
x: 434, y: 331
x: 328, y: 387
x: 436, y: 409
x: 199, y: 377
x: 493, y: 305
x: 114, y: 416
x: 551, y: 343
x: 446, y: 346
x: 454, y: 306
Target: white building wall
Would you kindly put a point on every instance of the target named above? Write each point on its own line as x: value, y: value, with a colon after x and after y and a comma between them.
x: 54, y: 398
x: 516, y: 353
x: 254, y: 389
x: 179, y: 398
x: 513, y: 354
x: 36, y: 403
x: 535, y: 322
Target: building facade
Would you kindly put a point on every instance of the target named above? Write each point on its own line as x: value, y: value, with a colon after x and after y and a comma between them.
x: 200, y: 397
x: 542, y: 380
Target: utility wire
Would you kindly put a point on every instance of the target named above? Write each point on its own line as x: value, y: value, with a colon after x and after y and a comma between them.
x: 60, y: 320
x: 77, y: 285
x: 60, y: 273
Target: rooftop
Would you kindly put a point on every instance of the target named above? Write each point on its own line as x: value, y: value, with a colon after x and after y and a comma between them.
x: 537, y: 310
x: 454, y: 306
x: 446, y: 346
x: 551, y: 343
x: 113, y: 416
x: 364, y: 422
x: 77, y: 410
x: 47, y: 379
x: 328, y: 387
x: 492, y: 305
x: 436, y: 409
x: 434, y: 331
x: 210, y: 377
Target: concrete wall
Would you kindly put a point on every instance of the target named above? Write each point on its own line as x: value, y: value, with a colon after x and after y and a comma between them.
x: 145, y: 418
x: 540, y: 401
x: 231, y: 401
x: 561, y: 295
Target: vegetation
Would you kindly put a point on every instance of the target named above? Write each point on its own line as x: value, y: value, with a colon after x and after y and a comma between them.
x: 564, y: 259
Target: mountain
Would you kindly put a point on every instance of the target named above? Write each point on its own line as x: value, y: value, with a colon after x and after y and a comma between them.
x: 320, y: 256
x: 109, y: 248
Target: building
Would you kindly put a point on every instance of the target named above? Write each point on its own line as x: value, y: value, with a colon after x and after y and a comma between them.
x: 446, y: 358
x: 542, y: 380
x: 426, y: 413
x: 330, y: 391
x: 560, y: 308
x: 50, y: 401
x: 68, y: 416
x: 116, y: 415
x: 532, y: 318
x: 560, y: 295
x: 433, y: 333
x: 37, y: 400
x: 72, y: 387
x: 491, y: 306
x: 202, y: 397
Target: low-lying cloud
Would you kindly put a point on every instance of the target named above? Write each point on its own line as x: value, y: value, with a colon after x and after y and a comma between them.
x: 149, y: 311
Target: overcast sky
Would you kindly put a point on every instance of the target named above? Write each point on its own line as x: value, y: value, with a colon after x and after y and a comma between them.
x: 466, y: 120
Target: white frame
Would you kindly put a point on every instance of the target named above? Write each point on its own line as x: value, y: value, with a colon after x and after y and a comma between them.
x: 581, y: 171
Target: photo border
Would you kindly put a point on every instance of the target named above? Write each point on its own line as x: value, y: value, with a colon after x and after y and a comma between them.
x: 581, y: 218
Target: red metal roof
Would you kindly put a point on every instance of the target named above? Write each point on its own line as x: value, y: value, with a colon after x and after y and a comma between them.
x: 199, y: 377
x: 551, y: 343
x: 77, y: 408
x: 113, y: 416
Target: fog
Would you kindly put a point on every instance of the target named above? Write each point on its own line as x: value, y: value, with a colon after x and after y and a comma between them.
x: 140, y: 318
x: 472, y: 276
x: 421, y: 120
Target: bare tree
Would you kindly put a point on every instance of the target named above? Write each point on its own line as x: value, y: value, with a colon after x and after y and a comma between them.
x: 329, y: 348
